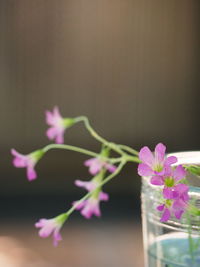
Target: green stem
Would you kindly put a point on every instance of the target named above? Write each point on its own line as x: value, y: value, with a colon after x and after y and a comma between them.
x: 111, y: 176
x: 126, y: 158
x: 190, y: 239
x: 97, y: 136
x: 117, y: 148
x: 89, y: 153
x: 132, y: 159
x: 129, y: 149
x: 76, y: 149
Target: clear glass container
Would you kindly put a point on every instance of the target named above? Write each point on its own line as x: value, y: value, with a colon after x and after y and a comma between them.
x: 174, y: 243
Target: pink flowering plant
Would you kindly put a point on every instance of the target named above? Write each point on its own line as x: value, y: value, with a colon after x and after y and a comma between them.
x: 163, y: 172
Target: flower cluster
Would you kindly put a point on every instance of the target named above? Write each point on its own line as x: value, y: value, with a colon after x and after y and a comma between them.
x: 51, y: 226
x: 27, y: 161
x: 97, y: 168
x: 162, y: 173
x: 58, y: 125
x: 90, y: 206
x: 96, y: 164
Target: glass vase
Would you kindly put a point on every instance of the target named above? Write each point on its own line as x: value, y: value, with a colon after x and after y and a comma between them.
x: 175, y: 243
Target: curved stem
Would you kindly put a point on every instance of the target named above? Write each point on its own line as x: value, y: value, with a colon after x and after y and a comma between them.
x: 133, y: 159
x: 72, y: 148
x: 129, y: 149
x: 90, y: 153
x: 97, y: 136
x: 83, y: 151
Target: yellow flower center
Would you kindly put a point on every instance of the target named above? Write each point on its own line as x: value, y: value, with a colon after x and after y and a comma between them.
x: 158, y: 168
x: 169, y: 182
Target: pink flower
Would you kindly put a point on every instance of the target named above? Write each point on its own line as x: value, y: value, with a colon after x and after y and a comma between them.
x: 89, y: 186
x: 154, y: 164
x: 176, y: 202
x: 90, y: 206
x: 175, y: 193
x: 58, y: 125
x: 96, y: 164
x: 170, y: 178
x: 48, y: 227
x: 27, y: 161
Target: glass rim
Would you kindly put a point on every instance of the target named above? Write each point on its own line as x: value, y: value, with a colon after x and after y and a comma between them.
x: 188, y: 158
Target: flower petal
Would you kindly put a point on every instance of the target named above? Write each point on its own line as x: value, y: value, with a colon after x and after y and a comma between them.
x: 170, y: 160
x: 103, y: 196
x: 56, y: 237
x: 160, y: 207
x: 56, y: 113
x: 91, y: 207
x: 51, y: 133
x: 31, y: 174
x: 46, y: 230
x: 20, y: 161
x: 168, y: 193
x: 157, y: 180
x: 160, y: 153
x: 146, y: 156
x: 166, y: 215
x: 111, y: 168
x: 87, y: 185
x: 40, y: 223
x: 60, y: 138
x: 15, y: 153
x: 96, y: 211
x: 79, y: 206
x: 89, y: 162
x: 57, y: 129
x: 94, y: 165
x: 144, y: 170
x: 182, y: 188
x: 179, y: 204
x: 168, y: 171
x: 179, y: 173
x: 87, y: 212
x: 49, y: 118
x: 178, y: 214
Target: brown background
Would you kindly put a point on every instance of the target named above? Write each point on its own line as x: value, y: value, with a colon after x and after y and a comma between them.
x: 131, y: 66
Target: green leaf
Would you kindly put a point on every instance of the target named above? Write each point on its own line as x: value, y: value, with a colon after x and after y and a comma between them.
x: 194, y: 210
x: 194, y: 170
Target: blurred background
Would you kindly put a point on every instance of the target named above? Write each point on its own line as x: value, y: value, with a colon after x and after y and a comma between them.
x: 132, y: 67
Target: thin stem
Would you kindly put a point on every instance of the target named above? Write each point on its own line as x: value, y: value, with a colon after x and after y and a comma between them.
x: 132, y: 159
x: 72, y: 148
x: 111, y: 176
x: 83, y: 151
x: 126, y: 158
x: 190, y: 239
x: 97, y: 136
x: 129, y: 149
x: 90, y: 153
